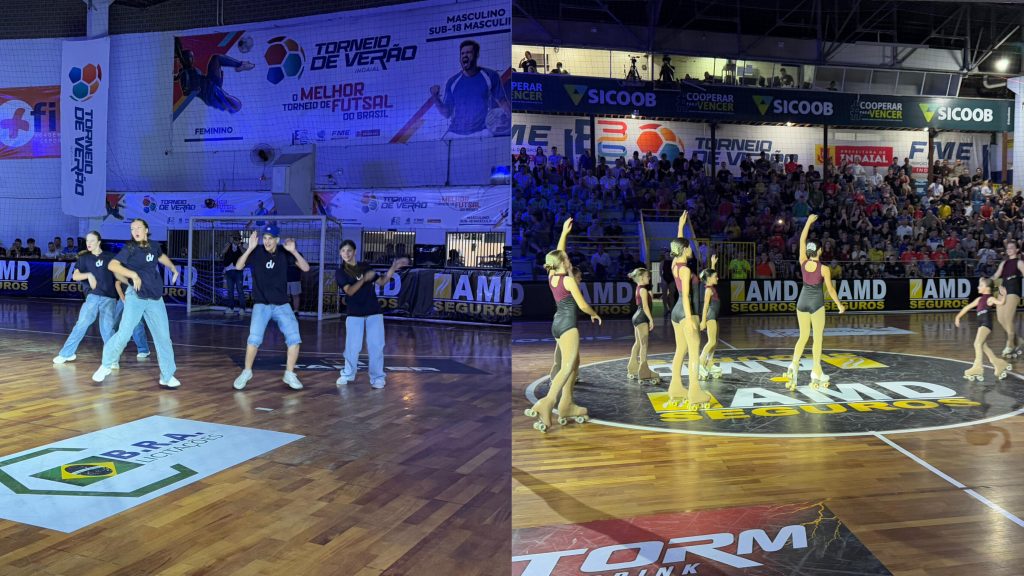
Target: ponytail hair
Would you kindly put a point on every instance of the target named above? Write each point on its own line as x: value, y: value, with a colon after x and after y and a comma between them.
x: 706, y: 274
x: 812, y: 250
x: 637, y: 273
x: 556, y: 259
x: 680, y: 247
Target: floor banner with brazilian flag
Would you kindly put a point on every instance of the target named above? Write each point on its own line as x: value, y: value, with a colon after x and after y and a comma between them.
x: 72, y: 483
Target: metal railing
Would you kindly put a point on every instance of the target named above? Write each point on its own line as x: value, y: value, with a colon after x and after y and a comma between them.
x: 475, y: 249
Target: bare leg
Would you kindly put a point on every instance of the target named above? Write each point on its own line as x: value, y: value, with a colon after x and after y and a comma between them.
x: 568, y: 344
x: 804, y: 320
x: 818, y: 328
x: 293, y: 356
x: 696, y: 396
x: 250, y: 356
x: 634, y: 355
x: 676, y: 390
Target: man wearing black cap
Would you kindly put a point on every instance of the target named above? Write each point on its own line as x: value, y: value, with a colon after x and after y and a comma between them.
x: 270, y: 298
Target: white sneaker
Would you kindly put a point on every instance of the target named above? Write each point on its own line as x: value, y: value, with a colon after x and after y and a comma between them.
x: 292, y: 381
x: 172, y: 383
x: 242, y: 379
x: 115, y: 366
x: 378, y: 384
x: 100, y: 373
x: 342, y: 381
x: 63, y: 359
x: 142, y: 355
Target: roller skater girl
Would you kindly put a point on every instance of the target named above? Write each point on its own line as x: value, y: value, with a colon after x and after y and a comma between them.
x: 709, y: 322
x: 810, y: 308
x: 643, y: 324
x: 983, y: 305
x: 568, y: 300
x: 1010, y: 272
x: 684, y: 325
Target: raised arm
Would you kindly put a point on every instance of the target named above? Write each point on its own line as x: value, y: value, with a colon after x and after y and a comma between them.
x: 563, y: 239
x: 803, y: 237
x: 253, y: 243
x: 289, y: 246
x: 682, y: 223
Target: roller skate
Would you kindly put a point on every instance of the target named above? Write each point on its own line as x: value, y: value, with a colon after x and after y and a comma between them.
x: 702, y: 373
x: 540, y: 425
x: 819, y: 381
x: 704, y: 404
x: 975, y: 373
x: 632, y: 376
x: 1002, y: 369
x: 791, y: 375
x: 1009, y: 352
x: 715, y: 371
x: 575, y: 413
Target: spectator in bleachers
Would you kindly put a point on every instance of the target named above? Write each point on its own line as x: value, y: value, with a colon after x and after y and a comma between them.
x: 558, y: 69
x: 15, y: 251
x: 528, y: 64
x: 601, y: 264
x: 31, y: 251
x: 51, y: 252
x: 3, y: 251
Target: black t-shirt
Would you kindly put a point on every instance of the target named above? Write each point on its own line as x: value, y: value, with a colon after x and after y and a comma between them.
x: 364, y: 301
x: 232, y: 255
x: 97, y: 266
x: 143, y: 261
x: 270, y: 275
x: 31, y: 252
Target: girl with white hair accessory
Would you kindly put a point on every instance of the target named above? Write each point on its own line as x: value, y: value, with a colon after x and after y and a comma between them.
x: 810, y: 308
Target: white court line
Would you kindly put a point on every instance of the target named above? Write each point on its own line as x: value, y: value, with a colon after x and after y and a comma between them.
x: 311, y: 352
x: 952, y: 481
x: 724, y: 343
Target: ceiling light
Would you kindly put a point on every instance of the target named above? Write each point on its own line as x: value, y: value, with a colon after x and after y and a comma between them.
x: 1002, y: 64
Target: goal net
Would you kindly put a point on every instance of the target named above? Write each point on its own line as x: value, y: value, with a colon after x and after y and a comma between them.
x: 316, y: 237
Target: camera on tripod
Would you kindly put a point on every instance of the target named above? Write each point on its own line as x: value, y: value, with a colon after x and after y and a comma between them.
x: 633, y: 73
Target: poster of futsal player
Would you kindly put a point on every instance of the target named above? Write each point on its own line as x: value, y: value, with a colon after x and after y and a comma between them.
x: 386, y: 76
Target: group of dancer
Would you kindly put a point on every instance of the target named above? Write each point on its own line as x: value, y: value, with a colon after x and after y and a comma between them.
x: 564, y: 281
x: 137, y: 268
x: 687, y: 326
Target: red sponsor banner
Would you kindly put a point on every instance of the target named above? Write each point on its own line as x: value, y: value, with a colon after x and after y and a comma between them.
x: 880, y: 156
x: 791, y: 539
x: 30, y: 122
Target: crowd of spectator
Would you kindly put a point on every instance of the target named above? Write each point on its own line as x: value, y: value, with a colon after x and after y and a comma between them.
x: 874, y: 222
x: 56, y: 249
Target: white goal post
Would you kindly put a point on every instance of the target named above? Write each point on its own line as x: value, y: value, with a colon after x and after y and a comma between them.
x: 316, y: 237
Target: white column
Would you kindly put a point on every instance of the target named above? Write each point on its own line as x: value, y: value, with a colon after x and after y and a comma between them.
x: 97, y: 22
x: 97, y: 25
x: 1017, y: 86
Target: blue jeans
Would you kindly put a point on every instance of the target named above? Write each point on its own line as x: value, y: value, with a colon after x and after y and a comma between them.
x: 138, y: 335
x: 280, y: 313
x: 236, y: 289
x: 94, y: 306
x: 135, y: 309
x: 374, y: 328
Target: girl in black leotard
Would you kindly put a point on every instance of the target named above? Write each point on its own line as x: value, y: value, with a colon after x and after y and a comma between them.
x: 810, y: 308
x: 643, y: 323
x: 1010, y: 272
x: 568, y: 299
x: 709, y: 322
x: 684, y: 324
x: 983, y: 305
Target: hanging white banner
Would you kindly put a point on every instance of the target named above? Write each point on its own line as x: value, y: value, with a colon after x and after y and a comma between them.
x: 83, y: 125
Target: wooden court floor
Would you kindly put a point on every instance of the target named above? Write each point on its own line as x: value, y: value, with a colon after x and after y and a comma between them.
x: 915, y: 521
x: 395, y: 481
